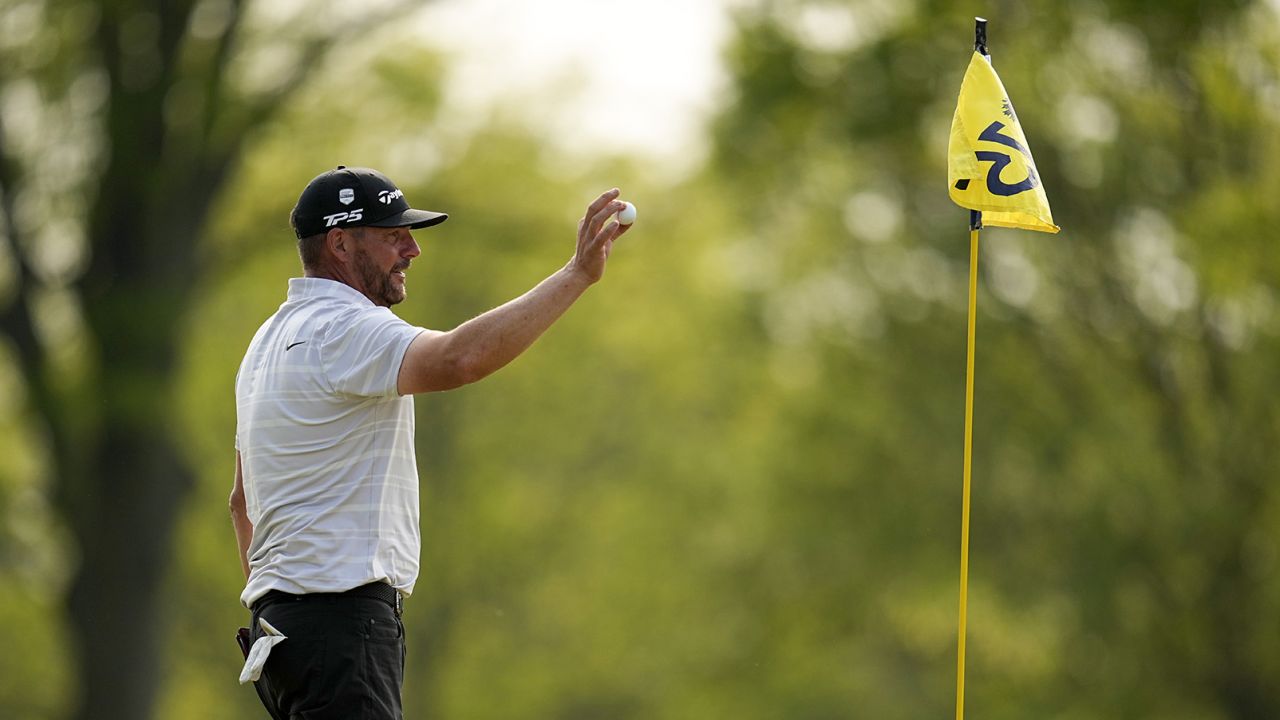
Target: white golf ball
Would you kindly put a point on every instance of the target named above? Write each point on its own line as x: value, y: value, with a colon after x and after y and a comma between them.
x: 627, y: 214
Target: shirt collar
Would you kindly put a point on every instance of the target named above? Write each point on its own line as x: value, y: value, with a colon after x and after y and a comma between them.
x: 309, y: 287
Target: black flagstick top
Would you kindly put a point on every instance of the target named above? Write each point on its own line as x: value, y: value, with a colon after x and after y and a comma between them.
x: 979, y: 46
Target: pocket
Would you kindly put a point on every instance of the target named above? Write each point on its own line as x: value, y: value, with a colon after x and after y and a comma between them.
x: 296, y: 666
x: 383, y: 666
x: 383, y: 630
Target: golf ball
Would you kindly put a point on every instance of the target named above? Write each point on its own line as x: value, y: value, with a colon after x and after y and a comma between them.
x: 627, y: 214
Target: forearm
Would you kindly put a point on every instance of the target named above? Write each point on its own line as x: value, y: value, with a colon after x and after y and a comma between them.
x: 240, y: 516
x: 487, y: 342
x: 497, y: 337
x: 244, y: 538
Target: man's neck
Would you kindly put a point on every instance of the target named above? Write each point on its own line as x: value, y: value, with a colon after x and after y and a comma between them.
x: 336, y: 275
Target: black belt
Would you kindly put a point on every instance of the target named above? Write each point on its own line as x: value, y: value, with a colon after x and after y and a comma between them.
x: 376, y: 591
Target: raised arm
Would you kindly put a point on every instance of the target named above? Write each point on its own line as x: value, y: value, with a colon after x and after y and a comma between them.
x: 483, y: 344
x: 240, y: 517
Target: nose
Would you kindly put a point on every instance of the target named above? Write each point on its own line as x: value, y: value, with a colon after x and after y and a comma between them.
x: 410, y: 248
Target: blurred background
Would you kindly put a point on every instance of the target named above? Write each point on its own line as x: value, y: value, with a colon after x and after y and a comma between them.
x: 727, y: 483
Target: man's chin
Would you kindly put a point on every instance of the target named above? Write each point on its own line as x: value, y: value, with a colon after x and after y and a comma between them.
x: 395, y: 296
x: 393, y: 292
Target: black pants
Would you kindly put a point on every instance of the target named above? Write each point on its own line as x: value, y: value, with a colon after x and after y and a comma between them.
x: 344, y: 658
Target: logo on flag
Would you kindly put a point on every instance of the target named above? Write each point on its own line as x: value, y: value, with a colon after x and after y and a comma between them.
x: 989, y: 163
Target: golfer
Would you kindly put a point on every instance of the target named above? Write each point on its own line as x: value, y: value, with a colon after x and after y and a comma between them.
x: 325, y: 502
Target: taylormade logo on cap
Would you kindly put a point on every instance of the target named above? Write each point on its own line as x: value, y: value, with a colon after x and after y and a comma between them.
x: 351, y: 197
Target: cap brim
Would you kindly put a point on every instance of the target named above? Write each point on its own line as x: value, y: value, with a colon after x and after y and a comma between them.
x: 411, y: 218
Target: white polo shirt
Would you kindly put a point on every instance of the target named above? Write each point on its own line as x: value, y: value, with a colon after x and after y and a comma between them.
x: 326, y: 445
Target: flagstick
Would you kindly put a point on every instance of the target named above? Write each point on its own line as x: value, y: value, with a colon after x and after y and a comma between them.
x: 1038, y: 218
x: 975, y: 224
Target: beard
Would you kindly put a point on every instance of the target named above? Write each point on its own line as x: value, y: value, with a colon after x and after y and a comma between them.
x: 377, y: 283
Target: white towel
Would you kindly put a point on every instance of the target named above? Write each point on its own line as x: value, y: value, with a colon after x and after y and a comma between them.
x: 260, y: 651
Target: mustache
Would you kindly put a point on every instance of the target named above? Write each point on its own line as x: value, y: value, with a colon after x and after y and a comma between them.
x: 400, y: 266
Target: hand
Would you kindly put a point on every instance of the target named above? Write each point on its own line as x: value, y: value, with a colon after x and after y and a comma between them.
x: 595, y: 238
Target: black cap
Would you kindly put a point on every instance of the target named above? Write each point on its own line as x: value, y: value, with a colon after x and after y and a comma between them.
x: 351, y: 197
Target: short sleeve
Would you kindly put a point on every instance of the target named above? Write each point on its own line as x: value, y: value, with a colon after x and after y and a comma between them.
x: 362, y: 351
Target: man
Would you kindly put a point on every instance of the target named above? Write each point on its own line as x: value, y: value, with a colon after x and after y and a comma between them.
x: 325, y: 502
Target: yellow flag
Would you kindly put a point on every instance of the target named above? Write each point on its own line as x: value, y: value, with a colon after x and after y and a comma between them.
x: 989, y: 164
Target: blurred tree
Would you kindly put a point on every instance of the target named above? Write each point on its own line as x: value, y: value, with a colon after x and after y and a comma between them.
x: 119, y: 124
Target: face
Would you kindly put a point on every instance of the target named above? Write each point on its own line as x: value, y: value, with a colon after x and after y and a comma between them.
x: 382, y: 255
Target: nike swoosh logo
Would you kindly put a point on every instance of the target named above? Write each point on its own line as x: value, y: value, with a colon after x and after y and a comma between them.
x: 293, y: 345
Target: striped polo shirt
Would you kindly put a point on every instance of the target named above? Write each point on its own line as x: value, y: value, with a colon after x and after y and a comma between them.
x: 326, y: 445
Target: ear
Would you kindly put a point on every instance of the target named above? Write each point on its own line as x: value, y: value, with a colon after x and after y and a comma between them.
x: 340, y: 244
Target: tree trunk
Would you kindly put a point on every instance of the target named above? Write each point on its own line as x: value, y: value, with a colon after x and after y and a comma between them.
x: 138, y: 484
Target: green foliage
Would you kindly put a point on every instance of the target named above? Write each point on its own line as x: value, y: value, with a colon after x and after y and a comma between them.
x: 34, y: 677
